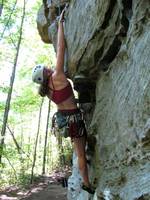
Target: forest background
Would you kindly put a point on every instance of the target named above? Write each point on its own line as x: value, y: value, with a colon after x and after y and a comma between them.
x: 28, y: 148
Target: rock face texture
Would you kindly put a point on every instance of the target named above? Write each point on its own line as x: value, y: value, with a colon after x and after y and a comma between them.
x: 108, y: 41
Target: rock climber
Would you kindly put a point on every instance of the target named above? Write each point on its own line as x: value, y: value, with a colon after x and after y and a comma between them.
x: 55, y: 85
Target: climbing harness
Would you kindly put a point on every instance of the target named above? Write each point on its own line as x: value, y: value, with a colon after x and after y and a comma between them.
x: 69, y: 124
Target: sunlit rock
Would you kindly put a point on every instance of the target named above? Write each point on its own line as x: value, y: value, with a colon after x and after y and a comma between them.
x: 56, y: 3
x: 74, y: 183
x: 107, y: 43
x: 42, y: 25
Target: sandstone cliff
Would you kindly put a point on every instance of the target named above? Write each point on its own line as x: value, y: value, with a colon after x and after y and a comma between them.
x: 108, y: 42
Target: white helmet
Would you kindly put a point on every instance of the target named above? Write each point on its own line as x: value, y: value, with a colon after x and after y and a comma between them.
x: 37, y: 74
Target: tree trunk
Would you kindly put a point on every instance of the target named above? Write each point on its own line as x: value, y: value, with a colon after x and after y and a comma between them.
x: 14, y: 170
x: 19, y: 148
x: 61, y: 151
x: 36, y: 141
x: 1, y: 7
x: 28, y: 151
x: 7, y: 106
x: 15, y: 141
x: 46, y: 134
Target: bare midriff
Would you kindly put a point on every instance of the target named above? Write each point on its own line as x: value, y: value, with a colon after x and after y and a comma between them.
x: 68, y: 104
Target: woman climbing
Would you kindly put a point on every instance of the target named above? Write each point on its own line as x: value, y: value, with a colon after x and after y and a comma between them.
x: 56, y: 87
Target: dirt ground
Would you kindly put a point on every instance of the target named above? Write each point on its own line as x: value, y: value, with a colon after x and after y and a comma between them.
x: 51, y: 192
x: 40, y: 192
x: 49, y: 187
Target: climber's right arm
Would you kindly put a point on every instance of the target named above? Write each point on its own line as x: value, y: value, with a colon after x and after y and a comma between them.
x: 60, y: 46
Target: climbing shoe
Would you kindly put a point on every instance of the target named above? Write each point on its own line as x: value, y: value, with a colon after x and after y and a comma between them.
x: 89, y: 189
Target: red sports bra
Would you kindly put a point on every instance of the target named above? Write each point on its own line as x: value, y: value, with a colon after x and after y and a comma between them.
x: 58, y: 96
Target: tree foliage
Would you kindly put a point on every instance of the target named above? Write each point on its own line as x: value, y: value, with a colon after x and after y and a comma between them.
x: 12, y: 78
x: 25, y: 102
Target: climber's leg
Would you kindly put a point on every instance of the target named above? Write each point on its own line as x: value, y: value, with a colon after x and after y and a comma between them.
x: 79, y: 145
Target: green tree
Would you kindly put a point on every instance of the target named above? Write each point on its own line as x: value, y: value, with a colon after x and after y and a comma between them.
x: 36, y: 142
x: 46, y: 135
x: 7, y: 106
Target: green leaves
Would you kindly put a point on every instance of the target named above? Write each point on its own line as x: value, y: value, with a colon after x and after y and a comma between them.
x: 26, y: 102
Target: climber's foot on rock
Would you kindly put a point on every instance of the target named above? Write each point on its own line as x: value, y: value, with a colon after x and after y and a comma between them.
x: 89, y: 189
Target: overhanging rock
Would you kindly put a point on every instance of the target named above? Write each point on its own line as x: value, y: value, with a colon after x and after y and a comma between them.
x: 108, y: 46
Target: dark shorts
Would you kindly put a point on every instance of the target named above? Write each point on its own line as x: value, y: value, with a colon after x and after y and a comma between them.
x: 75, y: 123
